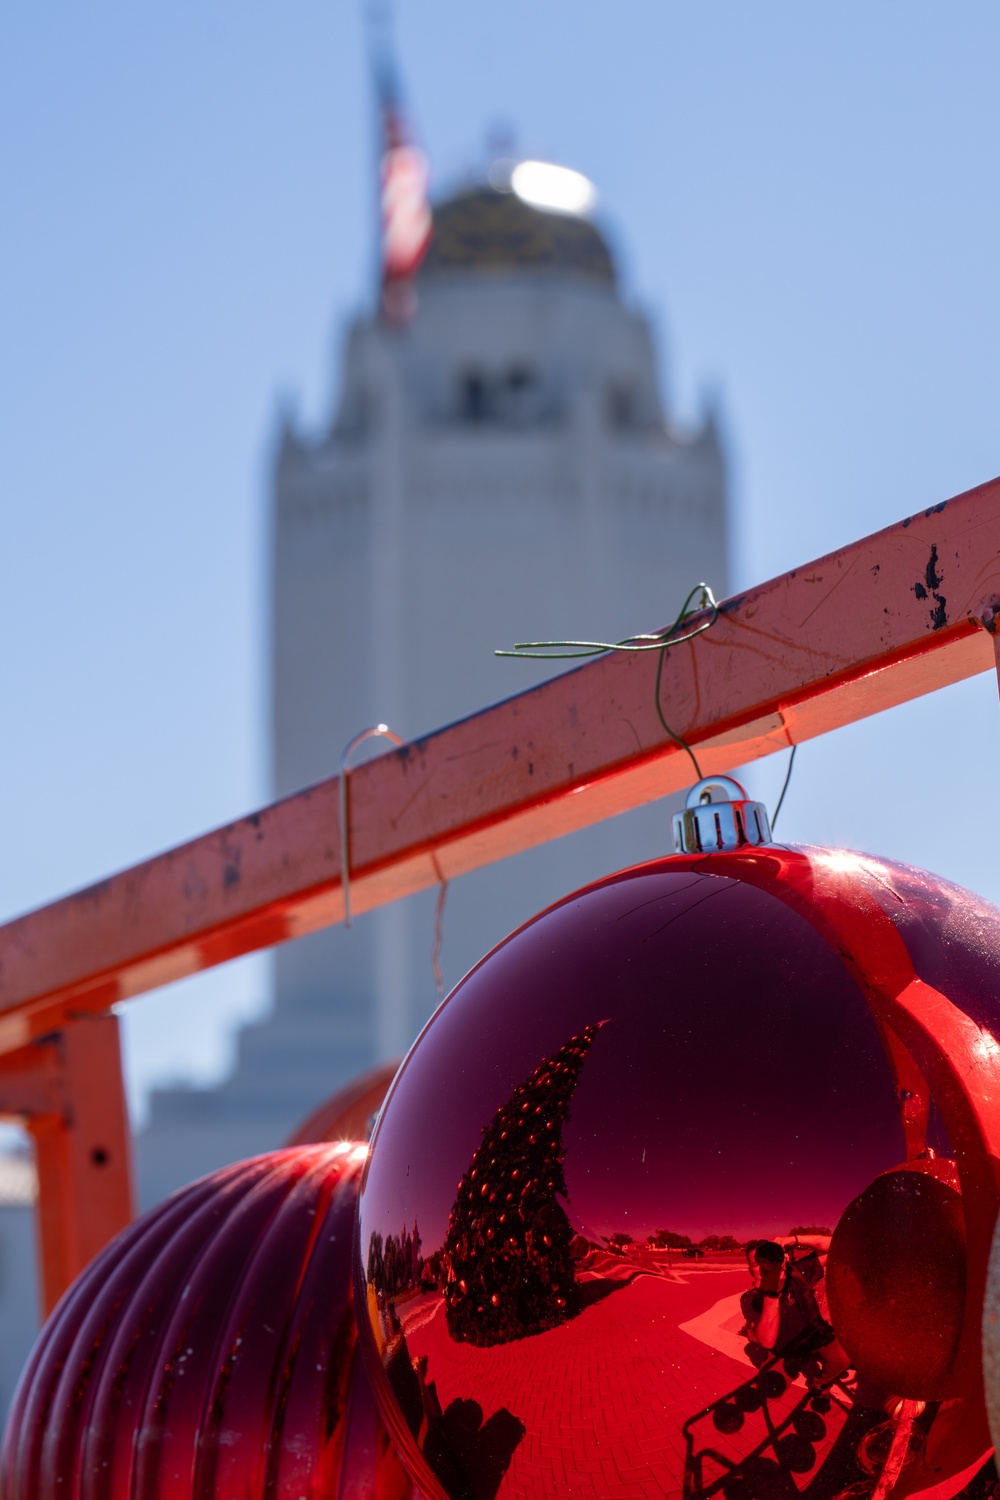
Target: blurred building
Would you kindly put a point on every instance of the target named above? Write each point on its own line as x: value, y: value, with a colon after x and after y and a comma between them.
x: 19, y: 1315
x: 502, y: 466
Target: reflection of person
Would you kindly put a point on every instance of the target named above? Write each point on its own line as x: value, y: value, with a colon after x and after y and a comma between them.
x: 786, y: 1304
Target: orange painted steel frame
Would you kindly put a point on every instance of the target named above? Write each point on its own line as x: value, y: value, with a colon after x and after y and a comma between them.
x: 886, y: 619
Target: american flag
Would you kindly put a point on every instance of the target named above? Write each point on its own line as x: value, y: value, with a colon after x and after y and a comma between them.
x: 405, y: 210
x: 406, y: 214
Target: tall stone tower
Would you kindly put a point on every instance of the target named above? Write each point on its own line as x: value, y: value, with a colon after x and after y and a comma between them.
x: 500, y: 468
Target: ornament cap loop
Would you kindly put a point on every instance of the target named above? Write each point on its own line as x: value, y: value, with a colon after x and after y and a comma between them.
x: 718, y: 814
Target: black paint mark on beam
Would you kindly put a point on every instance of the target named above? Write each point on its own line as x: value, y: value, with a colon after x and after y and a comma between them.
x: 929, y: 587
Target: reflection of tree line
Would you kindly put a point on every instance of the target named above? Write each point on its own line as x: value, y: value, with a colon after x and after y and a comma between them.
x: 395, y: 1264
x: 670, y: 1239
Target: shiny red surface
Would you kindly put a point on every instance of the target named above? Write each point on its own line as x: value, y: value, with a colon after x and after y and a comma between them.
x: 210, y: 1353
x: 901, y: 1246
x: 701, y: 1048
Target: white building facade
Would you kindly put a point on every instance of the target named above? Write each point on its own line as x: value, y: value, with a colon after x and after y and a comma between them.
x: 20, y: 1317
x: 502, y: 468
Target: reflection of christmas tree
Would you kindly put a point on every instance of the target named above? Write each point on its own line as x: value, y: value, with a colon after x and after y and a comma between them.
x: 507, y: 1261
x: 395, y: 1264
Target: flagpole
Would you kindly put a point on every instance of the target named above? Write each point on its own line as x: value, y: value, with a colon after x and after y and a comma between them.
x: 405, y: 224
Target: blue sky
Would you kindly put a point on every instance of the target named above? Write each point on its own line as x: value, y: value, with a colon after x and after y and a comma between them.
x: 805, y: 198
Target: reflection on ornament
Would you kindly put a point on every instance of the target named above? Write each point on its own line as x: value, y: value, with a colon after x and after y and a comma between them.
x: 991, y: 1339
x: 896, y: 1282
x: 507, y: 1260
x: 595, y: 1223
x: 209, y: 1352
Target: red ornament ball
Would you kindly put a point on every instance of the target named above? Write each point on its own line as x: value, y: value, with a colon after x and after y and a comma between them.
x: 595, y: 1221
x: 210, y: 1351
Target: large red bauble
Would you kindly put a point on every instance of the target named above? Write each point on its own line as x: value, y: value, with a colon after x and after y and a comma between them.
x: 210, y: 1352
x: 552, y: 1291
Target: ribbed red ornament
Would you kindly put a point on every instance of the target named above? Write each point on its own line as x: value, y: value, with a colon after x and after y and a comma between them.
x: 210, y: 1352
x: 552, y: 1289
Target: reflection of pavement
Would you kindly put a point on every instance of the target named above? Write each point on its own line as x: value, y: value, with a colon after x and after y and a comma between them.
x: 605, y: 1396
x: 719, y: 1328
x: 418, y: 1312
x: 603, y: 1265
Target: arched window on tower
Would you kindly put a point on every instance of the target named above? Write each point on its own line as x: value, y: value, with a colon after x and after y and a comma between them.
x: 512, y: 396
x: 520, y: 393
x: 622, y: 406
x: 474, y: 404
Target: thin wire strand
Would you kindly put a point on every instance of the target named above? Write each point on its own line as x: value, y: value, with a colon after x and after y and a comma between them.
x: 377, y: 731
x: 439, y: 927
x: 659, y: 641
x: 784, y: 789
x: 678, y: 738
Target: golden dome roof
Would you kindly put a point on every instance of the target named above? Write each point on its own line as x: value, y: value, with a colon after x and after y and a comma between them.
x: 486, y: 230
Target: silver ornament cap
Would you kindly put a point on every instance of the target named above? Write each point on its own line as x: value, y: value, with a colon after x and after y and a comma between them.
x: 718, y: 815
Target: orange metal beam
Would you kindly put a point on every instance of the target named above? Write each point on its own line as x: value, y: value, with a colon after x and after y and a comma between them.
x: 67, y: 1090
x: 884, y: 620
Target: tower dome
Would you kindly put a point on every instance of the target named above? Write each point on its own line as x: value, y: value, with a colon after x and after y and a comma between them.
x: 486, y: 229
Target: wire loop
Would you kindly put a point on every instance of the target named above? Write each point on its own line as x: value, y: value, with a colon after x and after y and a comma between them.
x: 660, y: 641
x: 377, y: 731
x: 439, y: 925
